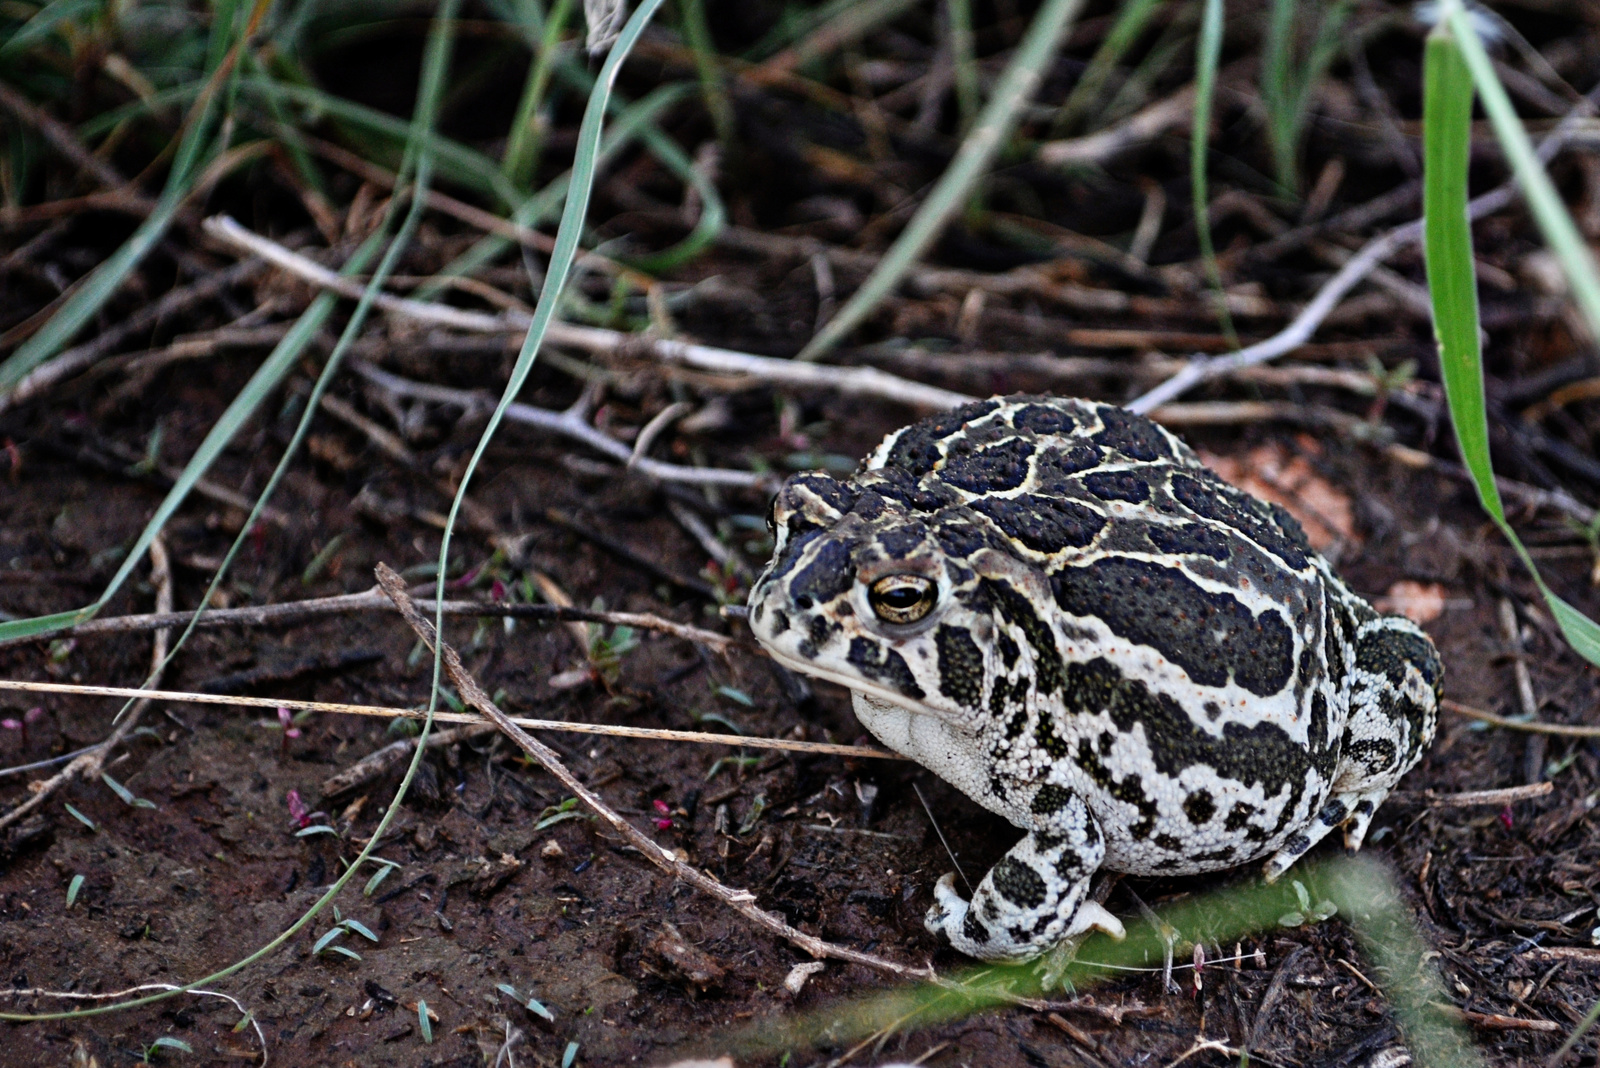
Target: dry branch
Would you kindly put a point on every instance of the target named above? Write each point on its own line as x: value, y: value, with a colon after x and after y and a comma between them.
x: 743, y: 901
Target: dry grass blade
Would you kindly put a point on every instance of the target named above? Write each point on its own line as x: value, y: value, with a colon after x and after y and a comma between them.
x: 382, y: 712
x: 1566, y: 730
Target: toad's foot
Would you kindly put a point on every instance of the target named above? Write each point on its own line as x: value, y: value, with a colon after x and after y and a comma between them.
x: 1034, y: 898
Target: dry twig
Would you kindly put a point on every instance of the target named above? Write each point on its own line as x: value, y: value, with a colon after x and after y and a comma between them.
x: 742, y: 901
x: 864, y: 381
x: 293, y: 612
x: 90, y: 764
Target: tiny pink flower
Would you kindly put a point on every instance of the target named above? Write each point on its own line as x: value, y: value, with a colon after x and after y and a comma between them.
x: 1506, y: 819
x: 286, y: 721
x: 663, y: 821
x: 297, y: 809
x: 497, y: 591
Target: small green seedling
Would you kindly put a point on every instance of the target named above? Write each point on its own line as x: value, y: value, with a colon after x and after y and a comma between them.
x: 1307, y: 913
x: 81, y: 818
x: 423, y: 1021
x: 567, y: 810
x: 165, y: 1042
x: 533, y: 1005
x: 125, y: 794
x: 570, y: 1055
x: 345, y: 925
x: 384, y: 868
x: 73, y: 888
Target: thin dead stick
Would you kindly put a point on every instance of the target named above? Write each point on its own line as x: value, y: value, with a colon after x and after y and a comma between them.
x: 1470, y: 798
x: 742, y: 901
x: 114, y: 995
x: 1567, y: 730
x: 572, y: 423
x: 376, y: 765
x: 384, y: 712
x: 1304, y: 325
x: 1142, y: 126
x: 90, y: 764
x: 80, y: 357
x: 294, y: 612
x: 863, y: 381
x: 62, y: 139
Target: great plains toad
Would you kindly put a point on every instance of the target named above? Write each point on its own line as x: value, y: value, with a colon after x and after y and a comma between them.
x: 1054, y: 606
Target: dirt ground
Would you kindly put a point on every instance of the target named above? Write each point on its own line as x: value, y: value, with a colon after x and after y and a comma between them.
x: 633, y: 967
x: 567, y: 915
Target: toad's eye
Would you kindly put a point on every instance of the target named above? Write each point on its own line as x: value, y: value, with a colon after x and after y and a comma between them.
x: 902, y: 598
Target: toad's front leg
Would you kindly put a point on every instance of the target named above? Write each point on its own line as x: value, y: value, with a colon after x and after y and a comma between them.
x: 1037, y: 895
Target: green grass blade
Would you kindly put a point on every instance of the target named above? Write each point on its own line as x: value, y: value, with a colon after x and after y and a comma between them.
x: 1448, y: 81
x: 428, y: 95
x: 585, y: 163
x: 999, y: 117
x: 697, y: 34
x: 1276, y: 57
x: 102, y: 283
x: 521, y: 160
x: 44, y: 21
x: 1208, y: 53
x: 1555, y: 222
x: 456, y: 162
x: 969, y: 94
x: 194, y: 149
x: 1131, y: 23
x: 631, y: 120
x: 713, y: 214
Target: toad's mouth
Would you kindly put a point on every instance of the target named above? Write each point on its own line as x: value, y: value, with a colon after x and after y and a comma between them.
x: 854, y: 683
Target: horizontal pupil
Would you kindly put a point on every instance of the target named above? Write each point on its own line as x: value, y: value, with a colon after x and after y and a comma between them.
x: 904, y: 597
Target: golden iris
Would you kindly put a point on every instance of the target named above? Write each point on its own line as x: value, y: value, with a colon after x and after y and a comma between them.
x: 902, y: 598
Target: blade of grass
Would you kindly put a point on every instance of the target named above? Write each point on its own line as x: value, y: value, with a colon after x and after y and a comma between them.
x: 1449, y: 78
x: 969, y: 96
x: 521, y: 160
x: 44, y: 22
x: 428, y: 95
x: 1554, y: 220
x: 1131, y: 22
x: 999, y: 117
x: 196, y: 148
x: 1364, y: 892
x: 632, y: 120
x: 456, y: 162
x: 586, y: 157
x: 1286, y: 89
x: 1208, y: 53
x: 697, y: 33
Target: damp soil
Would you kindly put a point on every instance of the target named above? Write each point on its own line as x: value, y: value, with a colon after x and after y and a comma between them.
x: 483, y: 895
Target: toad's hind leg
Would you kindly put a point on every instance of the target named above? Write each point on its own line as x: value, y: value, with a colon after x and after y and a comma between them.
x: 1035, y: 896
x: 1394, y: 709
